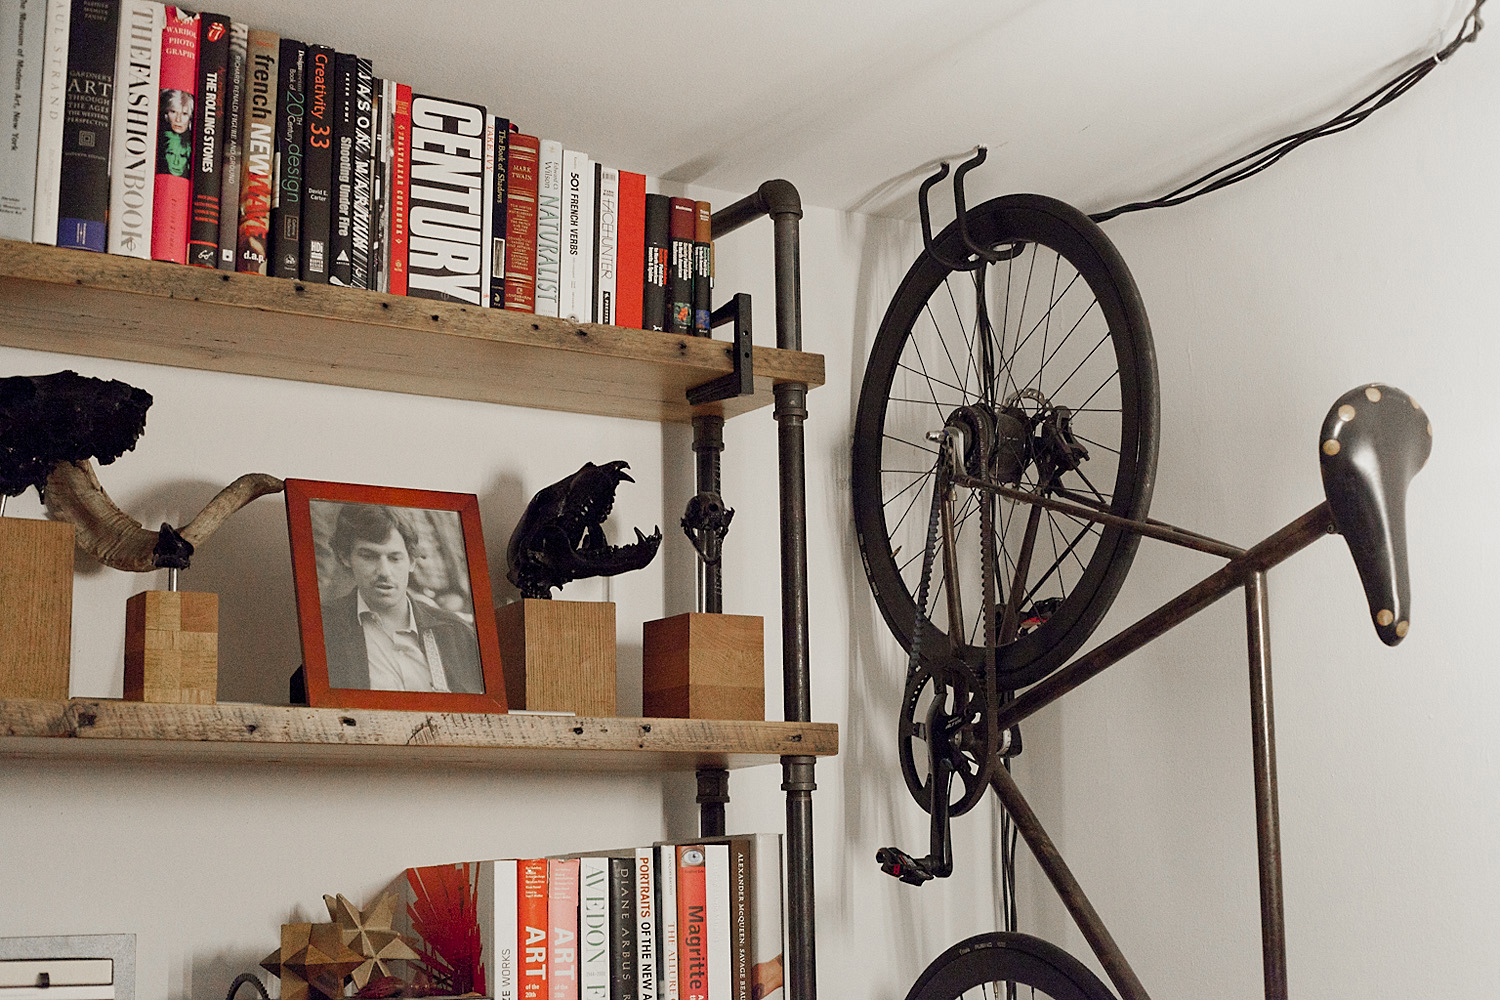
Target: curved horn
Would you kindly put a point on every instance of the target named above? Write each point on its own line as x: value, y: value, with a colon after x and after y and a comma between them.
x: 230, y: 499
x: 105, y: 532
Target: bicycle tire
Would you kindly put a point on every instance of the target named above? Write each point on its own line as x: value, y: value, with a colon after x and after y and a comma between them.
x: 978, y: 968
x: 888, y: 425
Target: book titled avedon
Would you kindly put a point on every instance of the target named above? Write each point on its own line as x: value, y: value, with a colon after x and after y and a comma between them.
x: 446, y: 213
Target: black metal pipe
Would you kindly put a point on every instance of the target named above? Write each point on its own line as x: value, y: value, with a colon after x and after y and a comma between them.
x: 713, y: 795
x: 708, y: 444
x: 791, y: 411
x: 1068, y: 889
x: 1267, y: 819
x: 773, y: 198
x: 801, y: 945
x: 1285, y: 543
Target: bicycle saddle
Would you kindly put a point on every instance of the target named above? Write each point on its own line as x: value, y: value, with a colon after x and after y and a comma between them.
x: 1375, y: 438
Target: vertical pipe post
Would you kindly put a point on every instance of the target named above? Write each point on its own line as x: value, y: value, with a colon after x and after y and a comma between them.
x: 708, y: 443
x: 1267, y: 819
x: 713, y: 794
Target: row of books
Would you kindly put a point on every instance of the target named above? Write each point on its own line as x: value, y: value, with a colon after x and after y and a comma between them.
x: 157, y: 132
x: 685, y: 921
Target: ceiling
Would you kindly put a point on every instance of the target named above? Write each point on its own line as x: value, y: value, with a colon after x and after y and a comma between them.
x: 1096, y: 102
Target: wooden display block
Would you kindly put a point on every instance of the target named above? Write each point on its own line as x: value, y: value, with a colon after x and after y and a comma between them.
x: 704, y: 666
x: 36, y: 607
x: 558, y: 656
x: 172, y: 647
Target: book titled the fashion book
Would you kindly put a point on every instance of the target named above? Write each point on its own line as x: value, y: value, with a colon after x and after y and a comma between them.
x: 446, y: 200
x: 23, y: 25
x: 174, y: 136
x: 88, y: 118
x: 132, y: 161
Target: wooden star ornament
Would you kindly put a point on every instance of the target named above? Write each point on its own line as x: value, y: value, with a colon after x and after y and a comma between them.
x: 369, y: 933
x: 312, y: 962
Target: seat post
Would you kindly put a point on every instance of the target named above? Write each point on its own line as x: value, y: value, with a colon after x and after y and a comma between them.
x: 1267, y: 819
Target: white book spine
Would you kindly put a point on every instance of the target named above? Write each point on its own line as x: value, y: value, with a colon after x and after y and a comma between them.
x: 23, y: 25
x: 645, y: 924
x: 716, y: 883
x: 666, y: 895
x: 487, y: 214
x: 50, y: 129
x: 766, y: 914
x: 606, y: 243
x: 593, y: 928
x: 385, y: 150
x: 132, y: 181
x: 571, y: 257
x: 548, y: 225
x: 502, y: 945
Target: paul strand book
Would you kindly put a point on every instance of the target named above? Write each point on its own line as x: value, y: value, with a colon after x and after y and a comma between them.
x: 445, y: 213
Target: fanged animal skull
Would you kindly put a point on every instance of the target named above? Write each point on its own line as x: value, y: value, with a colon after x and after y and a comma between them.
x: 561, y: 536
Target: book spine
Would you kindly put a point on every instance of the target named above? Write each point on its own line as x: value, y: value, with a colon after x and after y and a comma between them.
x: 716, y: 895
x: 499, y: 215
x: 23, y: 25
x: 380, y: 186
x: 236, y: 112
x: 703, y: 268
x: 446, y: 200
x: 258, y: 174
x: 285, y: 234
x: 88, y: 114
x: 400, y: 188
x: 50, y: 121
x: 692, y: 923
x: 593, y: 926
x: 362, y: 207
x: 666, y: 909
x: 208, y: 159
x: 606, y: 242
x: 739, y: 917
x: 575, y: 288
x: 766, y: 917
x: 341, y: 200
x: 498, y: 942
x: 680, y: 267
x: 562, y: 929
x: 549, y: 192
x: 487, y: 212
x: 647, y: 986
x: 317, y: 165
x: 132, y: 161
x: 658, y: 263
x: 531, y: 922
x: 520, y: 223
x: 631, y: 257
x: 622, y: 955
x: 173, y: 188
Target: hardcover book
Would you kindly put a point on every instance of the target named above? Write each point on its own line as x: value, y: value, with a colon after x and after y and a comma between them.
x: 285, y: 234
x: 341, y: 198
x: 631, y: 256
x: 317, y: 164
x: 562, y: 929
x: 487, y: 230
x: 680, y: 269
x: 400, y: 187
x: 520, y: 222
x: 606, y: 240
x: 88, y: 117
x: 703, y: 268
x: 23, y: 26
x: 646, y: 944
x: 666, y: 931
x: 549, y: 193
x: 576, y: 274
x: 499, y: 217
x: 593, y: 928
x: 692, y: 922
x: 235, y: 111
x: 132, y: 161
x: 362, y: 203
x: 445, y: 200
x: 258, y: 176
x: 658, y: 265
x: 50, y: 121
x: 531, y: 923
x: 716, y: 893
x: 173, y: 190
x: 208, y: 150
x: 380, y: 223
x: 461, y: 922
x: 622, y: 971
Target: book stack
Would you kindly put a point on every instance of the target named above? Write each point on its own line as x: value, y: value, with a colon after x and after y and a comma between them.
x: 157, y: 132
x: 674, y: 921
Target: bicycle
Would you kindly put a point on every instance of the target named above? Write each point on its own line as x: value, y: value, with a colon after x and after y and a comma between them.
x: 1023, y: 430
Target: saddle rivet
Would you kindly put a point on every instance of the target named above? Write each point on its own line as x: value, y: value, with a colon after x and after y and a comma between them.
x: 1372, y: 394
x: 1383, y: 617
x: 1331, y: 446
x: 1346, y: 412
x: 1402, y: 628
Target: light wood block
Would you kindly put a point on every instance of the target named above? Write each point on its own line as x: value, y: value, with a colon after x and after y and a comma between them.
x: 36, y: 607
x: 704, y: 666
x: 559, y: 656
x: 172, y: 647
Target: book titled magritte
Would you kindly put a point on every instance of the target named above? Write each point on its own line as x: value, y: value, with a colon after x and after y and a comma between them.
x: 252, y: 246
x: 132, y: 162
x: 445, y: 215
x: 208, y: 156
x: 174, y: 136
x: 88, y: 117
x: 22, y: 32
x: 692, y: 922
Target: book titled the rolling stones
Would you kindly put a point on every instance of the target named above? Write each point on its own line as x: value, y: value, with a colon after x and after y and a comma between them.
x: 445, y: 215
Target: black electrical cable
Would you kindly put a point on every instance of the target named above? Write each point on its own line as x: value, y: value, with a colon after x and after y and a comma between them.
x: 1253, y: 163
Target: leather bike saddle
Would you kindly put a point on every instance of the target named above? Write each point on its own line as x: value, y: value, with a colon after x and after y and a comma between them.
x: 1375, y: 438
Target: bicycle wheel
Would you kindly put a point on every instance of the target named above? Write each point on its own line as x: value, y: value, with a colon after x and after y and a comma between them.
x: 1051, y: 349
x: 999, y: 966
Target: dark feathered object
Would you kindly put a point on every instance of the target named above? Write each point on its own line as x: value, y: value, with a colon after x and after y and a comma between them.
x: 64, y: 417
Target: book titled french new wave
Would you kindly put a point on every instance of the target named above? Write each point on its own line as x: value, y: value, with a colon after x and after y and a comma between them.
x: 174, y: 136
x: 132, y: 164
x: 445, y: 214
x: 88, y: 117
x: 252, y: 243
x: 208, y: 154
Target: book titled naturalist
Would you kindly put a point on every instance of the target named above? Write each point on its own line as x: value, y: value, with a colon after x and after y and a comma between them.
x: 88, y: 113
x: 446, y: 206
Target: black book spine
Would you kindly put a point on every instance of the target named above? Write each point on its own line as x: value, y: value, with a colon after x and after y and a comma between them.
x: 362, y: 208
x: 703, y: 269
x: 341, y: 203
x: 499, y: 216
x: 680, y: 272
x: 285, y: 236
x: 208, y: 162
x: 88, y: 113
x: 622, y: 967
x: 594, y: 251
x: 317, y: 172
x: 380, y: 209
x: 658, y: 245
x: 235, y: 124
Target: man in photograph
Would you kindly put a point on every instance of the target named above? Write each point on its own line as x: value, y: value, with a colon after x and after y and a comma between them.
x: 377, y: 636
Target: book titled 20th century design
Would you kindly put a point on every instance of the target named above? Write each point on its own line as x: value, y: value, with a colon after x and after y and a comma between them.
x: 88, y: 114
x: 132, y: 162
x: 445, y: 214
x: 286, y: 195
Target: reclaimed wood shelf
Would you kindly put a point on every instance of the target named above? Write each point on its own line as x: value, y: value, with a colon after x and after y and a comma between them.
x: 108, y: 729
x: 100, y: 305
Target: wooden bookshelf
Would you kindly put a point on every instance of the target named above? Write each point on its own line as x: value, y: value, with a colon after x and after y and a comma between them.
x: 100, y: 305
x: 106, y: 729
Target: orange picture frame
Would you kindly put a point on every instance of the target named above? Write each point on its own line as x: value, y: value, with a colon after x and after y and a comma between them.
x: 447, y: 582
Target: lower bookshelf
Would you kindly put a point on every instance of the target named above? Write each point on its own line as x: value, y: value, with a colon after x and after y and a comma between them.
x: 108, y: 729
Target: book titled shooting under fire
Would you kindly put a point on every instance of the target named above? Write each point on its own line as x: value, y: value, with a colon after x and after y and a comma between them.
x: 446, y: 200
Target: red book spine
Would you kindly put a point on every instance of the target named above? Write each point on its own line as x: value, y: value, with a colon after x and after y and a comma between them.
x: 173, y: 195
x: 400, y: 188
x: 531, y: 928
x: 562, y: 929
x: 520, y: 223
x: 692, y: 923
x: 630, y: 254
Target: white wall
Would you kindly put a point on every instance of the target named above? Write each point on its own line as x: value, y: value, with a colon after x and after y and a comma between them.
x: 1367, y: 256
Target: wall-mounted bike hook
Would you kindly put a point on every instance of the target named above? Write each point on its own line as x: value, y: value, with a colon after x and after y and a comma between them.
x: 980, y: 255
